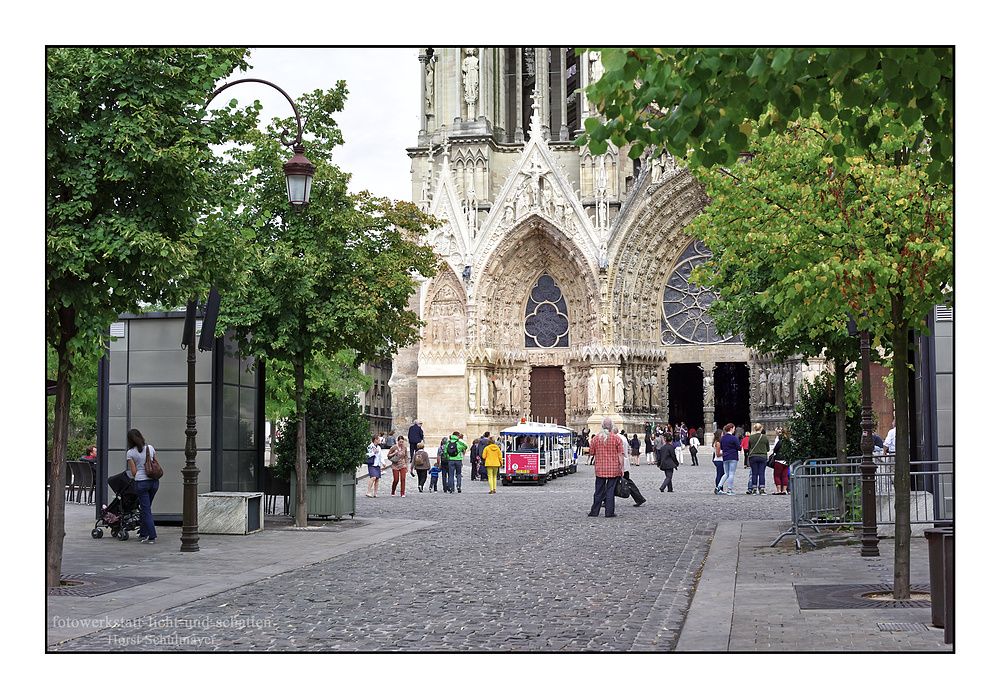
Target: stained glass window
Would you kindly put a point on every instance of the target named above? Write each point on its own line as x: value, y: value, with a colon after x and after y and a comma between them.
x: 685, y: 306
x: 546, y: 323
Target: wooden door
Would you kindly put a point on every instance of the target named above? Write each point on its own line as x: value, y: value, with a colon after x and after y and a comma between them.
x: 548, y: 394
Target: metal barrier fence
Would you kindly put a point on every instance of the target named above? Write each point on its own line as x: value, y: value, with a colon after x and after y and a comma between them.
x: 825, y: 493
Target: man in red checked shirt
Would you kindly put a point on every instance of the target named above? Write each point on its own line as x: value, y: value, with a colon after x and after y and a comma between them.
x: 609, y: 459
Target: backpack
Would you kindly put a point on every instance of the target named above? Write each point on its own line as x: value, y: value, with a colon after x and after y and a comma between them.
x: 453, y: 449
x: 418, y: 459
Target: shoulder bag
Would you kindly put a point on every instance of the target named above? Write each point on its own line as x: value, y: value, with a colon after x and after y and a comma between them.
x: 153, y: 469
x: 622, y: 489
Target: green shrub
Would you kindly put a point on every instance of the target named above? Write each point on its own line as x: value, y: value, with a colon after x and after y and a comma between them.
x: 337, y: 436
x: 812, y: 430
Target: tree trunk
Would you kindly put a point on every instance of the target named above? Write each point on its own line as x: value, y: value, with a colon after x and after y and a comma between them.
x: 840, y: 397
x: 55, y: 521
x: 901, y: 479
x: 301, y: 515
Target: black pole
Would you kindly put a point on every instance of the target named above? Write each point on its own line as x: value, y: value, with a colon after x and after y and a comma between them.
x: 189, y: 517
x: 869, y: 528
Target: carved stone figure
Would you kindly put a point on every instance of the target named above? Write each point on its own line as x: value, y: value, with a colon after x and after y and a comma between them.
x: 484, y: 395
x: 709, y: 399
x: 473, y: 382
x: 592, y: 391
x: 619, y: 391
x: 470, y: 69
x: 774, y: 386
x: 762, y: 388
x: 515, y: 395
x: 429, y: 87
x: 605, y: 383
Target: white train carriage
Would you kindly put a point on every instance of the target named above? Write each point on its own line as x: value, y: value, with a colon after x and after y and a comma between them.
x: 536, y: 452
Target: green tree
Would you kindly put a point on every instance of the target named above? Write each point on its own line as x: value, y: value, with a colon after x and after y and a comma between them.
x: 811, y: 431
x: 336, y: 276
x: 739, y: 278
x: 338, y: 436
x: 133, y: 200
x: 877, y: 123
x: 874, y: 238
x: 699, y: 104
x: 338, y: 374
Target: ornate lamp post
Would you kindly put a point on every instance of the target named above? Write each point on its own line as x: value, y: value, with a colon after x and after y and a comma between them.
x: 298, y: 181
x: 869, y: 528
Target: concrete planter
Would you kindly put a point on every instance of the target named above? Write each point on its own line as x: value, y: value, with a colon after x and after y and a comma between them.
x: 331, y: 495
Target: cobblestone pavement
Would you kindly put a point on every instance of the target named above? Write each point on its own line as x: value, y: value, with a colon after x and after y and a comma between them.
x: 524, y: 569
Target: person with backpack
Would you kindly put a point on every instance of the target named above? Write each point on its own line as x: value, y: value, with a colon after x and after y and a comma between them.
x: 421, y: 465
x: 693, y: 444
x: 453, y: 452
x: 757, y: 450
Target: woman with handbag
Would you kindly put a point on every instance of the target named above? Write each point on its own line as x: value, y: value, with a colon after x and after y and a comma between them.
x: 374, y: 462
x: 139, y: 455
x: 400, y: 461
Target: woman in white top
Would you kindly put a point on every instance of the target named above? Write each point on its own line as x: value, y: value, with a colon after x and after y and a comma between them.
x: 145, y: 488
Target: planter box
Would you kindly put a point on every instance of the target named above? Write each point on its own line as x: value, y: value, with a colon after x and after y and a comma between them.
x: 332, y: 495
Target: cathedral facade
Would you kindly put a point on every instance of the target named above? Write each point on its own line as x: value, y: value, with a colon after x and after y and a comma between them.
x: 563, y: 294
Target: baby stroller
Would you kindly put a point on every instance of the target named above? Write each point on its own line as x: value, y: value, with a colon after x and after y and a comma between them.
x: 122, y: 515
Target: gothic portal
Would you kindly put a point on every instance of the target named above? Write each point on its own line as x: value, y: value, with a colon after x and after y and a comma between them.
x: 563, y: 292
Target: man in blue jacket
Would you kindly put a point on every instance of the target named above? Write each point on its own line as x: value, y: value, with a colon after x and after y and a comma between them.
x: 415, y: 436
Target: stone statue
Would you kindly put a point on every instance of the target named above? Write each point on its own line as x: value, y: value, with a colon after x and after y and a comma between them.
x: 774, y: 380
x: 473, y: 381
x: 515, y: 395
x: 429, y: 87
x: 605, y: 383
x: 762, y: 388
x: 619, y: 391
x: 596, y: 67
x: 592, y: 391
x: 654, y: 392
x: 709, y: 392
x: 470, y: 69
x: 797, y: 385
x: 503, y: 395
x: 484, y: 395
x: 629, y: 390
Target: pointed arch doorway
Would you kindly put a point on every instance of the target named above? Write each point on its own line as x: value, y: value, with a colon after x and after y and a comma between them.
x: 548, y: 394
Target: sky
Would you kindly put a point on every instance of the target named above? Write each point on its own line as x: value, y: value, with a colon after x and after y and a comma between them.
x: 380, y: 115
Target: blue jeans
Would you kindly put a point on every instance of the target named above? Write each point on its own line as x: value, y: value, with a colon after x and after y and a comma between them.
x: 758, y: 464
x: 730, y: 474
x: 453, y: 475
x: 604, y: 491
x: 146, y: 491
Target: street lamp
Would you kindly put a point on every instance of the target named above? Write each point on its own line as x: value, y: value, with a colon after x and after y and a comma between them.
x: 298, y: 171
x: 869, y: 527
x: 298, y: 181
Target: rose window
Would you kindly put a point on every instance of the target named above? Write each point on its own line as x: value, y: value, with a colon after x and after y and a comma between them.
x: 685, y: 306
x: 546, y: 323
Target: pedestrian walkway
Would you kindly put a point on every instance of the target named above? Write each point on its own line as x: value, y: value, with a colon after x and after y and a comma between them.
x: 133, y: 580
x: 752, y: 597
x: 552, y: 586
